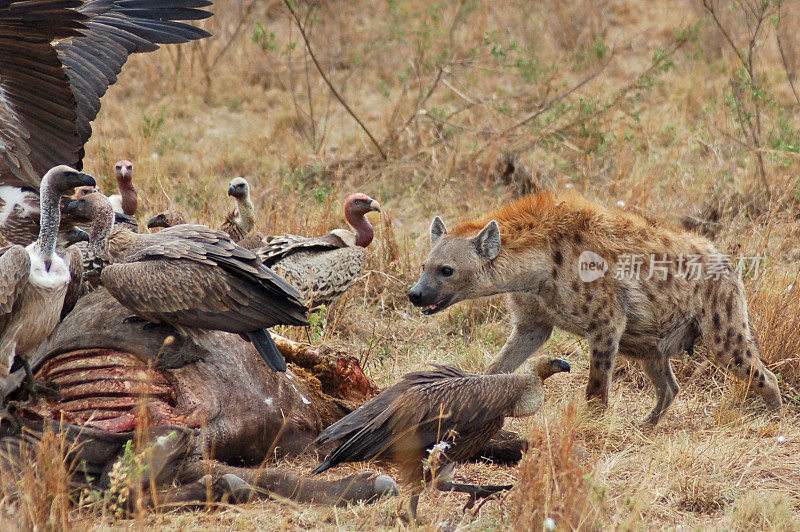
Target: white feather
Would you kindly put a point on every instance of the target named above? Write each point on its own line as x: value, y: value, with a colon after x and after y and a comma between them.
x: 16, y: 198
x: 116, y: 202
x: 56, y: 278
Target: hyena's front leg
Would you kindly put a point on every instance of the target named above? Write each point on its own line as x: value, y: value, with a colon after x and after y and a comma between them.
x: 530, y: 331
x: 604, y: 344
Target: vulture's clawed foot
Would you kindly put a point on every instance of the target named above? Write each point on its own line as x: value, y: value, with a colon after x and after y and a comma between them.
x: 12, y: 419
x: 37, y: 388
x: 475, y: 491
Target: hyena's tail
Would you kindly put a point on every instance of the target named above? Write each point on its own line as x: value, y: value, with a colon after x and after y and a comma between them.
x: 730, y: 338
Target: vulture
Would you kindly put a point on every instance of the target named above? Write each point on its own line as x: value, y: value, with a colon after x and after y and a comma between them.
x: 57, y: 59
x: 324, y: 267
x: 34, y: 279
x: 191, y: 277
x: 242, y: 219
x: 127, y: 201
x: 444, y: 409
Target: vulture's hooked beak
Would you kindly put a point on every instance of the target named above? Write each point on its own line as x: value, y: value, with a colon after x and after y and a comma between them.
x: 79, y: 179
x: 75, y: 235
x: 158, y: 220
x: 374, y: 206
x: 73, y: 207
x: 561, y: 365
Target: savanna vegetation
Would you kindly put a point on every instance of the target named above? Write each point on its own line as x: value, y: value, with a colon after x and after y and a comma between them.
x: 686, y: 112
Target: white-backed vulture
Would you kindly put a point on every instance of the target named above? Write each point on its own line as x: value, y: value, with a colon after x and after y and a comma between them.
x: 34, y: 279
x: 242, y: 219
x: 57, y: 59
x: 446, y: 408
x: 192, y: 277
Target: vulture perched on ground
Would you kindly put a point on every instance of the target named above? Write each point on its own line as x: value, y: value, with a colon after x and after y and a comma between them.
x: 127, y: 201
x: 57, y: 59
x: 324, y: 267
x: 242, y: 219
x: 34, y: 279
x: 445, y: 409
x: 191, y: 277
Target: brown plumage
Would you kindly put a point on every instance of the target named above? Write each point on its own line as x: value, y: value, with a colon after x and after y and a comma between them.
x: 324, y: 267
x: 446, y: 408
x: 242, y: 219
x: 57, y: 59
x: 192, y: 277
x: 34, y: 279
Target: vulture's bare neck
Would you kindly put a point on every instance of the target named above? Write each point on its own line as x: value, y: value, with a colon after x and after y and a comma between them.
x: 130, y: 199
x: 49, y: 219
x: 531, y: 399
x: 102, y: 225
x: 364, y: 230
x: 247, y: 213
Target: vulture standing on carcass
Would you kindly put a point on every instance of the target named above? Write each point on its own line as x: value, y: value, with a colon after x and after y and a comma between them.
x: 34, y: 279
x: 324, y: 267
x: 57, y: 59
x: 127, y: 201
x: 445, y: 409
x: 242, y: 219
x: 192, y: 277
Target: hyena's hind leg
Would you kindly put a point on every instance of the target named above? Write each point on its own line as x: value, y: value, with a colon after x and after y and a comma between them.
x: 659, y: 370
x: 731, y: 341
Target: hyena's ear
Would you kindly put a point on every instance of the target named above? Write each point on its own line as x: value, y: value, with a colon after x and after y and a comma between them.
x: 438, y: 230
x: 487, y: 242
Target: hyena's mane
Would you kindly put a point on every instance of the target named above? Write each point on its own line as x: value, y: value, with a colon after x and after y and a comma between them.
x: 545, y: 220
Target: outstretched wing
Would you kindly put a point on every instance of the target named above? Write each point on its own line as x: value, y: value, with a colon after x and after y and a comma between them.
x: 37, y: 107
x: 115, y: 30
x: 49, y: 94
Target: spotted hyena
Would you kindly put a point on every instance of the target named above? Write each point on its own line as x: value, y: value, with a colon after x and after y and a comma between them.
x: 625, y: 283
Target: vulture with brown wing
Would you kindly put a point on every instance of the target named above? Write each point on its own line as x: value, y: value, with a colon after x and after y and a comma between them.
x: 57, y: 59
x: 191, y: 277
x: 445, y: 409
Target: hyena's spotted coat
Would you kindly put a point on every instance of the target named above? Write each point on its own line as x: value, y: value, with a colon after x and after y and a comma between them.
x: 646, y: 317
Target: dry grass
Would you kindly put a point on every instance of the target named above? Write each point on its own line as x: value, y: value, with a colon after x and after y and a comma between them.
x: 447, y: 89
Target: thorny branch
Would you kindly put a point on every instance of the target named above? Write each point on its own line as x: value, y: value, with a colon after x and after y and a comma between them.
x: 328, y: 81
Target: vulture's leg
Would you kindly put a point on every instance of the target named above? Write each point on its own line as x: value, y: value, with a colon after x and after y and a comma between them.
x: 444, y: 482
x: 36, y: 387
x: 355, y: 488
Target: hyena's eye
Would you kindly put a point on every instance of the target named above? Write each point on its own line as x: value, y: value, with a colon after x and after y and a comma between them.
x: 446, y: 271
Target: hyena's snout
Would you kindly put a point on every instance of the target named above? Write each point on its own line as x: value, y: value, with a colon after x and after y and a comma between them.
x: 416, y: 295
x: 427, y: 298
